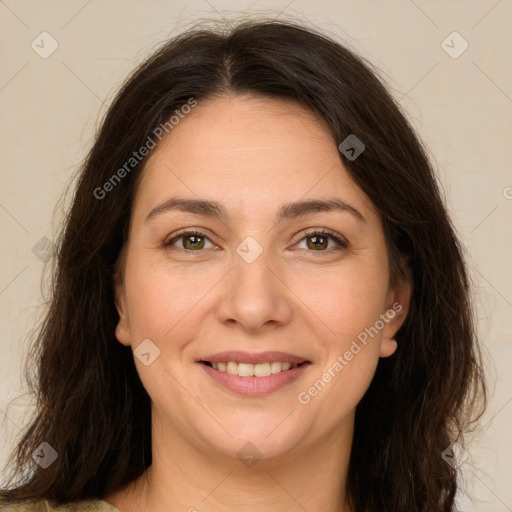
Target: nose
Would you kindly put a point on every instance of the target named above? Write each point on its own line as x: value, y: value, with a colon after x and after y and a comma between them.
x: 255, y: 296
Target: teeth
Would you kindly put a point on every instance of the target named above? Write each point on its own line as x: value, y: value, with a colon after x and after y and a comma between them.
x: 262, y: 370
x: 232, y: 368
x: 275, y: 366
x: 253, y: 370
x: 245, y: 370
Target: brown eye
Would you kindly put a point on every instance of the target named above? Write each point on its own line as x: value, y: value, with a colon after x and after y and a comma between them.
x: 318, y: 241
x: 191, y: 241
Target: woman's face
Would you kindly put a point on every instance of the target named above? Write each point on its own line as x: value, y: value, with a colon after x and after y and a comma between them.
x: 255, y: 285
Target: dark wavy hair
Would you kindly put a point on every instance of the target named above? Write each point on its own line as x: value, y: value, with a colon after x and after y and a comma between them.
x: 91, y: 405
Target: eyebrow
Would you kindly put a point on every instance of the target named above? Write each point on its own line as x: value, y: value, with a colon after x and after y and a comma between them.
x: 287, y: 211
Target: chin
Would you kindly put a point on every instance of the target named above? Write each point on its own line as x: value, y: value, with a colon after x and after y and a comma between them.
x: 257, y: 438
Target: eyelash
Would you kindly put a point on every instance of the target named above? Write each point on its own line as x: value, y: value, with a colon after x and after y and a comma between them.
x: 326, y: 233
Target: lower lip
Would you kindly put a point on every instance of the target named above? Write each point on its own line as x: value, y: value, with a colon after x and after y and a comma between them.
x: 255, y: 386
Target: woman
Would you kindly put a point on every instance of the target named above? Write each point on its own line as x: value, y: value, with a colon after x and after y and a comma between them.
x: 260, y: 302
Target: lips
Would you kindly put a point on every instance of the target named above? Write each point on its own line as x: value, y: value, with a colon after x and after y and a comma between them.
x: 254, y: 374
x: 253, y: 358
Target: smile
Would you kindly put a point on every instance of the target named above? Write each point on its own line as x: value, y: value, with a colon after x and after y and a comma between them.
x: 253, y: 380
x: 252, y: 370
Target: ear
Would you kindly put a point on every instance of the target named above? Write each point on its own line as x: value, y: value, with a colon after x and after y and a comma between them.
x: 398, y: 304
x: 122, y: 332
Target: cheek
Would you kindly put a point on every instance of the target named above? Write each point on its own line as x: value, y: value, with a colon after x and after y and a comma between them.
x: 164, y: 304
x: 164, y: 308
x: 347, y: 312
x: 345, y: 301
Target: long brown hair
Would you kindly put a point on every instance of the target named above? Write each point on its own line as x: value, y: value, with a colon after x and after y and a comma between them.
x: 91, y: 406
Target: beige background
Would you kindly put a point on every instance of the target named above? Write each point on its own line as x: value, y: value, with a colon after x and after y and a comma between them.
x: 461, y: 107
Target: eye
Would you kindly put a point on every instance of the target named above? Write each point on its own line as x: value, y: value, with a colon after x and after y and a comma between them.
x: 318, y: 241
x: 191, y: 240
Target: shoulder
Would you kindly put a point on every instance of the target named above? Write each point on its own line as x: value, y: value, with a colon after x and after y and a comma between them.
x: 46, y: 506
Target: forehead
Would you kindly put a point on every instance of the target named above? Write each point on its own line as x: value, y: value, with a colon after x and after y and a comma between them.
x: 249, y: 152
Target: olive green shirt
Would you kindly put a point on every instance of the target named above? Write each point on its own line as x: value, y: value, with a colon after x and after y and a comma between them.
x: 45, y: 506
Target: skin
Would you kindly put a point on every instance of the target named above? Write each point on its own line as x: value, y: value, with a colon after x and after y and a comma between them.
x: 252, y: 155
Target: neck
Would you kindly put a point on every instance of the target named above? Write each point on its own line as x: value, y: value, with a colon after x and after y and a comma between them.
x: 186, y: 478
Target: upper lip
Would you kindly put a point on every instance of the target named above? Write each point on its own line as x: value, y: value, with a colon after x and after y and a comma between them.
x: 254, y: 358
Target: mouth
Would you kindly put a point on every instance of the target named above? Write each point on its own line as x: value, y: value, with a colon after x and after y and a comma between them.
x: 265, y: 369
x: 253, y: 375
